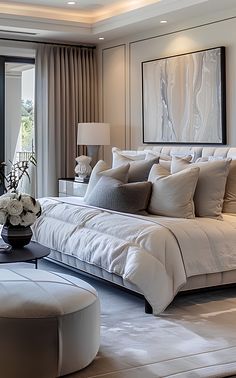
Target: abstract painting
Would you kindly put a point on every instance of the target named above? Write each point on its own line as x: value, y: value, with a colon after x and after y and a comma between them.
x: 183, y: 98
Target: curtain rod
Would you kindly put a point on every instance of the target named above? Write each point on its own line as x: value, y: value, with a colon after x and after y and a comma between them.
x: 47, y: 43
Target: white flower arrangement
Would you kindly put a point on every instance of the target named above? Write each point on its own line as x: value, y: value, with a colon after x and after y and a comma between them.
x: 18, y: 209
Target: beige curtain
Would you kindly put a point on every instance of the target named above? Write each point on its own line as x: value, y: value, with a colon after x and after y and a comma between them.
x: 66, y: 93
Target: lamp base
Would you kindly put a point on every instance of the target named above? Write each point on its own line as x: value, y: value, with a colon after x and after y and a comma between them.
x: 92, y: 151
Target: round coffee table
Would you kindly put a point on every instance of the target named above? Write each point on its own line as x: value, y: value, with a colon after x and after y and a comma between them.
x: 30, y: 253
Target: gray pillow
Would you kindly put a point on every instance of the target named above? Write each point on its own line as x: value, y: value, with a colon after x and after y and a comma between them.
x: 110, y: 193
x: 139, y: 170
x: 100, y: 169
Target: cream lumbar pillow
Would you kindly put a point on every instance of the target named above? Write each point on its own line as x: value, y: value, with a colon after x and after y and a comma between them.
x: 172, y: 195
x: 209, y: 194
x: 102, y: 169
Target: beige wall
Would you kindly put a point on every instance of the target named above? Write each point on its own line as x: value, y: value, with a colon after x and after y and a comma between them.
x: 120, y: 75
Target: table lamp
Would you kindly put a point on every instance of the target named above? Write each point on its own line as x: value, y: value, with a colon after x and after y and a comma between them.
x: 93, y: 135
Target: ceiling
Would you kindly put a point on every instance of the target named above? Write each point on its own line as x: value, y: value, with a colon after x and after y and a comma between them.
x: 87, y: 20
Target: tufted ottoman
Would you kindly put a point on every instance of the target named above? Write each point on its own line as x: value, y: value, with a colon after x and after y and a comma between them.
x: 49, y: 324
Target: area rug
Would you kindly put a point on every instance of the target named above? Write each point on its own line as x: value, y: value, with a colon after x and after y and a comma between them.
x: 194, y: 337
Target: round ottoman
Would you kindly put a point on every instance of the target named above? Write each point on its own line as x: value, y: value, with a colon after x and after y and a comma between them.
x: 49, y: 324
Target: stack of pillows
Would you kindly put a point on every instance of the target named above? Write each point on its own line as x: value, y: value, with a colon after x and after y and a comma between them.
x: 163, y: 185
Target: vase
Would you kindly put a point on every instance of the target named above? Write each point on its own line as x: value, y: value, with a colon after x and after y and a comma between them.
x: 16, y: 236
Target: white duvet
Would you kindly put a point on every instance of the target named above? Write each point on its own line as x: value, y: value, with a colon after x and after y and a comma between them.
x: 156, y: 254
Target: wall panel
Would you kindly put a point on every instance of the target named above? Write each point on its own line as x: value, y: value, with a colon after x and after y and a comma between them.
x: 129, y: 117
x: 114, y: 95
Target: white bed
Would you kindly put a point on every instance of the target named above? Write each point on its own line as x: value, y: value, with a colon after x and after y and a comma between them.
x: 152, y: 255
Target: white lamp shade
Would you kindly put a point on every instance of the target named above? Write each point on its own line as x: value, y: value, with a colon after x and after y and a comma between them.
x: 93, y: 134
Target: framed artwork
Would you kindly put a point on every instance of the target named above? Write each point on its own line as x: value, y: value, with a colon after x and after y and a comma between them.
x: 183, y: 98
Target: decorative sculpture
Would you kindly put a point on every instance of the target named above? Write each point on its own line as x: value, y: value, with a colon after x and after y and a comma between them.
x: 83, y: 169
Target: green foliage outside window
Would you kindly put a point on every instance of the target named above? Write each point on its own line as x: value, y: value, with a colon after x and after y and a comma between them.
x: 27, y: 124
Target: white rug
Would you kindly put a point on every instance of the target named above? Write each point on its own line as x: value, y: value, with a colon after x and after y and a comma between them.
x: 194, y: 337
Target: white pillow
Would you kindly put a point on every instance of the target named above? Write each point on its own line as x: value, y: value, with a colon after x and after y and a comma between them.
x: 172, y: 195
x: 120, y: 156
x: 209, y: 194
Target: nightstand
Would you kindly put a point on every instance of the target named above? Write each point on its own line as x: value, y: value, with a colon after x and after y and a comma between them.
x: 68, y: 187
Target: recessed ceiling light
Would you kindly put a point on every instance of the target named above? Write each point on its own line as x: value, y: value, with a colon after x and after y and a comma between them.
x: 163, y: 22
x: 101, y: 38
x: 71, y: 2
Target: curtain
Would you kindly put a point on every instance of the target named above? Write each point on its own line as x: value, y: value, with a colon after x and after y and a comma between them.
x: 66, y: 93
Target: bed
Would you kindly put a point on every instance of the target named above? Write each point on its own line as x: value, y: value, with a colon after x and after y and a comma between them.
x: 156, y: 256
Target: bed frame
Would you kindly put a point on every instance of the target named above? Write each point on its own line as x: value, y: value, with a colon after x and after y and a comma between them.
x: 213, y: 280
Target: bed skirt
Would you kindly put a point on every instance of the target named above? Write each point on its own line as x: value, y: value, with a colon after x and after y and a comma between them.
x: 196, y: 282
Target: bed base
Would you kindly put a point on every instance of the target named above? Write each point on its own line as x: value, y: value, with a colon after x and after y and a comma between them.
x: 147, y: 307
x: 193, y: 284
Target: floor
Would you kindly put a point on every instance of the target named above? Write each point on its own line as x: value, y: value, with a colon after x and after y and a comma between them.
x: 194, y: 337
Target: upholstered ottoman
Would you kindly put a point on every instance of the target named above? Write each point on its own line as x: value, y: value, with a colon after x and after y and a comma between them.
x: 49, y: 324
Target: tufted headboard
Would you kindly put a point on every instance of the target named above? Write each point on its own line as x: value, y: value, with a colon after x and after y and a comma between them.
x: 196, y: 151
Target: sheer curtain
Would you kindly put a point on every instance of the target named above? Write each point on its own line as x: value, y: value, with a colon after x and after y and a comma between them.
x: 66, y: 93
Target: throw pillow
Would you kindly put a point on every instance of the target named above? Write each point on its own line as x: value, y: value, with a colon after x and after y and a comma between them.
x: 120, y: 157
x: 164, y: 160
x: 110, y: 193
x: 139, y: 169
x: 172, y: 195
x: 101, y: 168
x: 209, y: 194
x: 229, y: 205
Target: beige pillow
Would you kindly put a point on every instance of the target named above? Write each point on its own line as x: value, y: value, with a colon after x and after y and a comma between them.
x: 229, y: 205
x: 209, y: 194
x: 101, y: 168
x: 172, y: 195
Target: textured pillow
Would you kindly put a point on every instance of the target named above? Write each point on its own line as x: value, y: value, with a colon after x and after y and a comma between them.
x: 209, y: 194
x: 110, y: 193
x: 172, y: 195
x: 101, y: 168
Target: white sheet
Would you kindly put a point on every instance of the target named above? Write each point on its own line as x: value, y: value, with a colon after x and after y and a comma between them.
x: 154, y: 253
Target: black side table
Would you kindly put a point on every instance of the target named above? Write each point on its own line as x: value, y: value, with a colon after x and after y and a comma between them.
x: 30, y: 253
